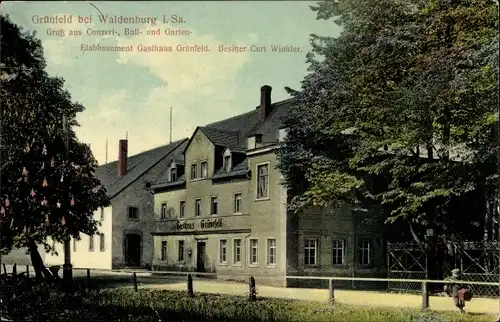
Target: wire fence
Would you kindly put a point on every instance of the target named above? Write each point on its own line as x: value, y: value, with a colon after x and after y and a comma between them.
x: 478, y: 262
x: 404, y: 286
x: 484, y: 290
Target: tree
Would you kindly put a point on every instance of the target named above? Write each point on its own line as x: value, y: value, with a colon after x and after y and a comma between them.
x: 406, y: 80
x: 42, y: 196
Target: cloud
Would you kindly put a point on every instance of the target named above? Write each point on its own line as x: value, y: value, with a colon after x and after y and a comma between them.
x: 198, y: 87
x: 59, y: 46
x: 106, y: 120
x: 184, y: 71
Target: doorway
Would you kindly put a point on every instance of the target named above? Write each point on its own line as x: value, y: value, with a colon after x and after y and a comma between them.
x: 200, y: 257
x: 133, y: 250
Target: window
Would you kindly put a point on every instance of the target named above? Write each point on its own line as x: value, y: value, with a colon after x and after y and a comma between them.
x: 311, y: 252
x: 74, y: 244
x: 338, y: 252
x: 227, y: 163
x: 237, y: 251
x: 197, y: 207
x: 193, y: 171
x: 182, y: 209
x: 180, y: 255
x: 91, y: 243
x: 365, y: 247
x: 163, y: 250
x: 173, y: 174
x: 204, y: 169
x: 133, y: 213
x: 213, y: 205
x: 101, y: 242
x: 102, y: 214
x: 254, y: 252
x: 263, y: 181
x: 237, y: 203
x: 163, y: 212
x: 271, y: 251
x: 223, y: 251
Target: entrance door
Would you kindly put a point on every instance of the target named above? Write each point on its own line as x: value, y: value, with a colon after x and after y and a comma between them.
x: 133, y: 250
x: 200, y: 257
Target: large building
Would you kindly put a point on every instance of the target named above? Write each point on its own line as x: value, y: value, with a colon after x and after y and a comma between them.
x: 124, y: 237
x: 220, y: 207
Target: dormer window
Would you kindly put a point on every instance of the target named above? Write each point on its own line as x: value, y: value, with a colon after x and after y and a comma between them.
x: 173, y: 172
x: 227, y: 163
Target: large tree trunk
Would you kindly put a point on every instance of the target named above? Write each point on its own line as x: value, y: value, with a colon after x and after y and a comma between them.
x: 36, y: 260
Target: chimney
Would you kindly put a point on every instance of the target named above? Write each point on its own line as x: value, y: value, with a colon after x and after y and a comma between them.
x: 122, y: 157
x: 265, y: 101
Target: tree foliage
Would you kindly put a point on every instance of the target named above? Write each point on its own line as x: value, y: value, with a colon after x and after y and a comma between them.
x: 43, y: 193
x: 407, y: 95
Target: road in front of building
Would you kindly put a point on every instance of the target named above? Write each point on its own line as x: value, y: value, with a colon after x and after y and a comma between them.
x: 348, y: 297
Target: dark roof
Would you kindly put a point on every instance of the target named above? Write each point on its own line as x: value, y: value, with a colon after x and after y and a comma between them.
x: 239, y: 170
x: 137, y: 165
x: 165, y: 183
x: 270, y: 126
x: 221, y: 137
x: 234, y: 131
x: 236, y: 150
x: 164, y: 178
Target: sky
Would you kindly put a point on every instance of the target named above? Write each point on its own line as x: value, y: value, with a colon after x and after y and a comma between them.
x: 130, y: 93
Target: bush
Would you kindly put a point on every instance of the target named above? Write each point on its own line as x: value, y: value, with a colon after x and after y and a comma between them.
x: 29, y: 300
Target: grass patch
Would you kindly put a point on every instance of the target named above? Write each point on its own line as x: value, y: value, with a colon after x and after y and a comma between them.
x: 28, y: 300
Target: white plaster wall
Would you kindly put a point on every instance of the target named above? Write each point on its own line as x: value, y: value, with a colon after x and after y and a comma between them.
x: 81, y: 257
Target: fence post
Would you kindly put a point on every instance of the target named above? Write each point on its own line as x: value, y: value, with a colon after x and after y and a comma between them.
x: 190, y: 285
x: 425, y: 296
x: 14, y: 270
x: 135, y: 282
x: 4, y: 269
x: 88, y: 278
x: 27, y: 271
x: 252, y: 293
x: 331, y: 294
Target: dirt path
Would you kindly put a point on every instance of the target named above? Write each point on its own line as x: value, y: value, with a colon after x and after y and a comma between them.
x: 358, y: 298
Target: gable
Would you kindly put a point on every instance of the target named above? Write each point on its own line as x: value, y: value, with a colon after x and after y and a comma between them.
x: 197, y: 137
x: 199, y: 146
x: 227, y: 152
